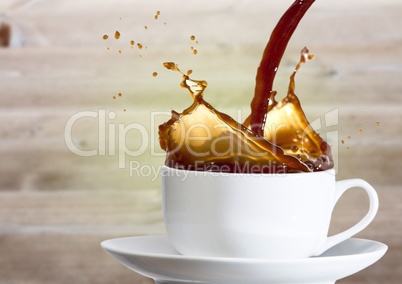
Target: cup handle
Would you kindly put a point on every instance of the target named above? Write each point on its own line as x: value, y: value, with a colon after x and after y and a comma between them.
x: 341, y: 187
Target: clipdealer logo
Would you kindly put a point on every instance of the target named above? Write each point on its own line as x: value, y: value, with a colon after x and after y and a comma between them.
x: 112, y: 138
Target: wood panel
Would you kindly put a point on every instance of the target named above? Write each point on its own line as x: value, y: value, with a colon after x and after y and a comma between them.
x: 56, y: 206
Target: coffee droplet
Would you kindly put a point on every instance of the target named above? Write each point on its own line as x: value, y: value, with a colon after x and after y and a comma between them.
x: 146, y: 27
x: 349, y: 137
x: 158, y: 13
x: 124, y: 109
x: 117, y: 35
x: 378, y: 123
x: 156, y: 17
x: 105, y: 37
x: 132, y: 42
x: 120, y: 51
x: 192, y: 37
x: 155, y: 74
x: 343, y: 142
x: 195, y: 51
x: 139, y: 45
x: 171, y: 66
x: 360, y: 131
x: 114, y: 97
x: 119, y: 94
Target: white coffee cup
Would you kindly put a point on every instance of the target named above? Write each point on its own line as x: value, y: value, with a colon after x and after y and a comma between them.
x: 273, y: 216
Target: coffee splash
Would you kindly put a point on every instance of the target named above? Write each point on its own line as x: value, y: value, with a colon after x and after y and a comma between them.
x: 202, y: 138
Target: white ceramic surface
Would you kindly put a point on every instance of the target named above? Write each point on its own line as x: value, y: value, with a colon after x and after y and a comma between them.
x: 255, y: 216
x: 154, y: 257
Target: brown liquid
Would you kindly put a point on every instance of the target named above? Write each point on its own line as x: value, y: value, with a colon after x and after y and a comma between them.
x: 276, y: 138
x: 270, y: 61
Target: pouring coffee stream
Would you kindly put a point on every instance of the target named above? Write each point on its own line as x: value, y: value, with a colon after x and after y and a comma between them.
x: 202, y: 138
x: 270, y: 61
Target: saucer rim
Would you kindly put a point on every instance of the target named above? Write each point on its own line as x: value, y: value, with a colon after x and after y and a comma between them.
x: 104, y: 244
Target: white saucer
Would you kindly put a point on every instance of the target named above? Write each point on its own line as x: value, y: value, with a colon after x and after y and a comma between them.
x: 154, y: 257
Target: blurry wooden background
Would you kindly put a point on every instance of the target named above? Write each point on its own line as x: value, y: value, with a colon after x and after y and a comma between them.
x: 57, y: 206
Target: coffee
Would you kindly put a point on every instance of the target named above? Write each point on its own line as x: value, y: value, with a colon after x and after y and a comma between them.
x: 211, y: 209
x: 275, y: 138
